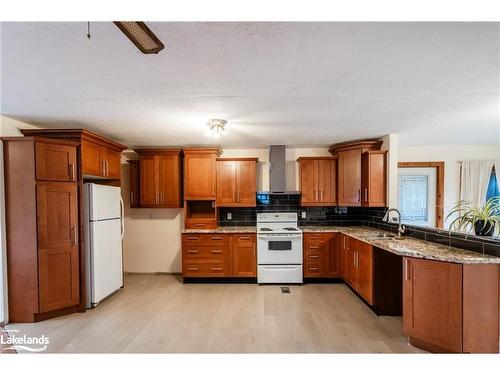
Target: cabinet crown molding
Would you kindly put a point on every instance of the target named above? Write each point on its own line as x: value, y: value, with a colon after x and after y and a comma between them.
x: 157, y: 151
x: 75, y: 134
x: 238, y: 159
x: 365, y: 145
x: 203, y: 150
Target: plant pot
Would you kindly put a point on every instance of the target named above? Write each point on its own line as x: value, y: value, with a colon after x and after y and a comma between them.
x: 484, y: 230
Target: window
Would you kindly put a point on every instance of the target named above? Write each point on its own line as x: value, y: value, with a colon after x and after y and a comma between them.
x: 493, y: 190
x: 417, y: 196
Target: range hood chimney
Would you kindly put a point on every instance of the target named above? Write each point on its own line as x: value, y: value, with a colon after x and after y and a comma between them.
x: 277, y: 171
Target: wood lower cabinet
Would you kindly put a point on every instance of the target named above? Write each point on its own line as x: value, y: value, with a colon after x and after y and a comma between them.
x: 318, y: 181
x: 219, y: 255
x: 322, y: 255
x: 42, y: 228
x: 449, y: 307
x: 244, y: 255
x: 158, y: 177
x: 358, y: 266
x: 236, y: 182
x: 200, y: 171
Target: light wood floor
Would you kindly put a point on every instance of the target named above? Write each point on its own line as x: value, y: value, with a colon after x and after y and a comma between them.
x: 159, y: 314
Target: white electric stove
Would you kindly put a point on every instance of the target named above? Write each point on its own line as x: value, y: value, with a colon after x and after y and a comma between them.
x: 279, y: 248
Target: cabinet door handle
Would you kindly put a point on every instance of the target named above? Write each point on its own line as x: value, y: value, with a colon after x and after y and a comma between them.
x: 314, y: 256
x: 314, y: 237
x: 238, y: 196
x: 72, y: 172
x: 75, y: 236
x: 161, y: 197
x: 366, y: 195
x: 313, y: 268
x: 407, y: 271
x: 193, y: 251
x: 192, y: 268
x: 131, y: 197
x: 216, y: 251
x: 216, y: 268
x: 193, y: 238
x: 216, y: 238
x: 200, y: 225
x: 245, y: 238
x: 359, y: 195
x: 321, y: 195
x: 313, y: 247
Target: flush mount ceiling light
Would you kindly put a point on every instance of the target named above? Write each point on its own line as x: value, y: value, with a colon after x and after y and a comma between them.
x: 141, y: 36
x: 217, y: 127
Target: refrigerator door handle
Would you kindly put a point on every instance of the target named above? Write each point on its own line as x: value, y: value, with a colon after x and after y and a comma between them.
x: 122, y: 214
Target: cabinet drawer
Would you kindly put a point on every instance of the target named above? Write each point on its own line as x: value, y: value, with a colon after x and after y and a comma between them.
x: 314, y: 257
x: 205, y: 239
x: 198, y: 269
x: 314, y: 248
x: 242, y: 239
x: 205, y: 252
x: 200, y: 223
x: 313, y: 269
x: 312, y: 237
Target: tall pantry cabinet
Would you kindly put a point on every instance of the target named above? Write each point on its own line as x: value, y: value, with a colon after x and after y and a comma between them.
x: 41, y: 199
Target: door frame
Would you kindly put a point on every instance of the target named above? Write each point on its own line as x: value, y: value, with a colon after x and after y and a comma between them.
x: 439, y: 165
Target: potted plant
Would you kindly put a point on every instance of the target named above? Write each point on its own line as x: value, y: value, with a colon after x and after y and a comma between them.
x: 482, y: 219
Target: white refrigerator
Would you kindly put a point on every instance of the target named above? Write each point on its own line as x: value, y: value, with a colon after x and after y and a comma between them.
x: 103, y: 241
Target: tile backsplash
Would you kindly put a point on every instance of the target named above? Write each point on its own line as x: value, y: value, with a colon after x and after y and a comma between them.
x: 344, y: 216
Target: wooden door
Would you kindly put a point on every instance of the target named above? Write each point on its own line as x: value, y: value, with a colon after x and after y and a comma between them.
x: 308, y: 181
x: 365, y: 276
x: 349, y: 178
x: 168, y: 180
x: 91, y: 159
x: 57, y: 213
x: 148, y: 189
x: 134, y: 183
x: 432, y: 302
x: 244, y: 257
x: 226, y: 183
x: 112, y: 164
x: 333, y: 255
x: 200, y: 176
x: 246, y: 183
x: 327, y: 175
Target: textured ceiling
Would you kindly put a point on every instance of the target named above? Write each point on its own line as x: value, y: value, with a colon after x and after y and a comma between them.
x: 299, y: 84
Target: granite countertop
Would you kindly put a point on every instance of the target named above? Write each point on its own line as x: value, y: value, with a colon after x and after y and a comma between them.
x: 223, y: 230
x: 409, y: 246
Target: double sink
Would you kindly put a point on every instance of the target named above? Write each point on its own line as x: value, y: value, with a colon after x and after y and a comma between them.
x: 383, y: 236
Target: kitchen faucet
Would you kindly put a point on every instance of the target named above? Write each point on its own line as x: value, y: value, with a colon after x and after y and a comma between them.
x: 401, y: 227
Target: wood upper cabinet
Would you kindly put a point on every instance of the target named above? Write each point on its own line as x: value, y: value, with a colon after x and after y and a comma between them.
x: 159, y: 175
x: 236, y: 182
x: 318, y: 181
x: 450, y: 307
x: 57, y: 211
x: 349, y: 176
x: 374, y: 179
x: 200, y: 171
x: 134, y: 183
x: 55, y: 162
x: 244, y: 255
x: 100, y: 161
x: 349, y: 163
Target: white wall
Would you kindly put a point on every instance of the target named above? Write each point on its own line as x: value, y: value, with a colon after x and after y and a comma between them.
x: 451, y: 155
x: 8, y: 127
x: 152, y: 241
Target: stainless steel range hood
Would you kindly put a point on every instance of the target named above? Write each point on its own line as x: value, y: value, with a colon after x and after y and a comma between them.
x: 277, y: 171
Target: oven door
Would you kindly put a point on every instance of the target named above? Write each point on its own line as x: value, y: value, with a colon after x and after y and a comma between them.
x: 272, y: 249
